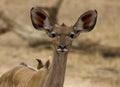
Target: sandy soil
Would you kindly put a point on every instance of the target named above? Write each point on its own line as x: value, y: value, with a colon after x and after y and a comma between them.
x: 83, y: 69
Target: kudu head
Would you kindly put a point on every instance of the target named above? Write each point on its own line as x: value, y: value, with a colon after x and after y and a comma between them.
x: 62, y: 35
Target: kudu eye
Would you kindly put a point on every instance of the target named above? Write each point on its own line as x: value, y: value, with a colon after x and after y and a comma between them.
x: 72, y: 35
x: 52, y: 35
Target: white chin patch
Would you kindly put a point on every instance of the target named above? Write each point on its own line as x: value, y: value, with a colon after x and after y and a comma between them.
x: 64, y: 50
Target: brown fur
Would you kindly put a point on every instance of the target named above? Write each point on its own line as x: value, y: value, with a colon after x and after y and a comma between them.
x: 21, y: 76
x: 13, y: 77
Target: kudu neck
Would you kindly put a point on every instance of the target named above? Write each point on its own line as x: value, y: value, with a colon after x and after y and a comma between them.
x: 56, y: 73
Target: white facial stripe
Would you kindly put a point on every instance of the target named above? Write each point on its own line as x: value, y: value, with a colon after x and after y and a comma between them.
x: 56, y: 25
x: 72, y: 32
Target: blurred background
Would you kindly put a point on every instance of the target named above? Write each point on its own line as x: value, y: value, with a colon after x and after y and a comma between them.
x: 94, y: 58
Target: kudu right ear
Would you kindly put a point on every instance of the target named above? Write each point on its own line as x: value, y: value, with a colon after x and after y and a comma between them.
x: 40, y: 19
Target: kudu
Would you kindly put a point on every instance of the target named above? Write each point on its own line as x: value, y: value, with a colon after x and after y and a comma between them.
x: 62, y: 35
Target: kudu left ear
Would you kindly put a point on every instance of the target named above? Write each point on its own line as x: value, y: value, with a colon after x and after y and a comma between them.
x: 86, y: 22
x: 40, y: 19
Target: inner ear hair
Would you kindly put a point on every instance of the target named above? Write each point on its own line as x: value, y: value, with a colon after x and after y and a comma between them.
x: 40, y: 19
x: 89, y: 20
x: 86, y: 22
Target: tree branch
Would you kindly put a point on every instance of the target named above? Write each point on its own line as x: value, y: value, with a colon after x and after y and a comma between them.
x: 24, y: 31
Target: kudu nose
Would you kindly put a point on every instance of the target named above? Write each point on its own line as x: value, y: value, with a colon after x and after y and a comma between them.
x: 62, y: 46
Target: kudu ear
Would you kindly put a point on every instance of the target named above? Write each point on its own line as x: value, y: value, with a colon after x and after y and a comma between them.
x: 86, y: 22
x: 47, y: 64
x: 40, y: 64
x: 40, y: 19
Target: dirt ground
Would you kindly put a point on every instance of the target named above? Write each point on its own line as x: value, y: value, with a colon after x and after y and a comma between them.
x: 84, y: 69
